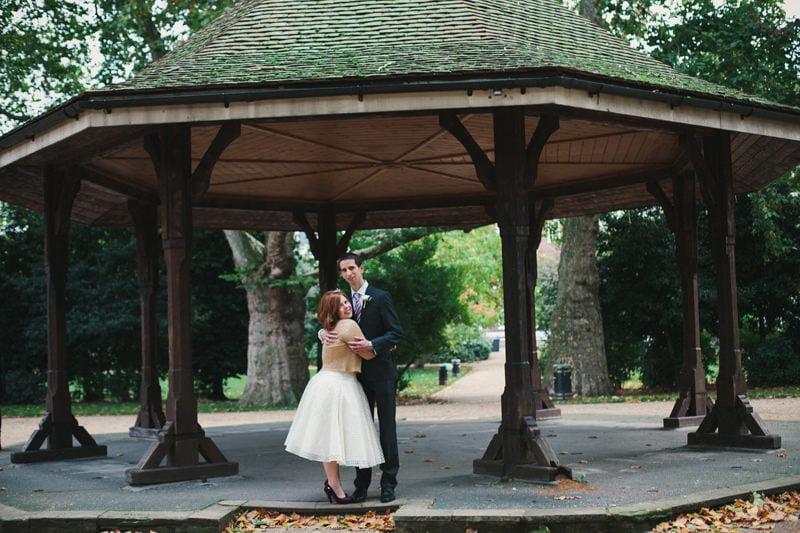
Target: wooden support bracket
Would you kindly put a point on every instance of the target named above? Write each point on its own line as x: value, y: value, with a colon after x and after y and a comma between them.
x: 201, y: 176
x: 484, y: 168
x: 32, y: 452
x: 738, y: 426
x: 538, y: 461
x: 693, y: 402
x: 149, y: 471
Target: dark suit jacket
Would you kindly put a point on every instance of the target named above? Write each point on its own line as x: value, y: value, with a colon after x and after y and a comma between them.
x: 381, y: 325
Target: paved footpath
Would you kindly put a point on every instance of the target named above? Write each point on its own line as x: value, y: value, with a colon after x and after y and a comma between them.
x: 636, y: 473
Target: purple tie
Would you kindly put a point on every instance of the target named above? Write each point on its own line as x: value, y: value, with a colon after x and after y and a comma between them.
x: 357, y: 306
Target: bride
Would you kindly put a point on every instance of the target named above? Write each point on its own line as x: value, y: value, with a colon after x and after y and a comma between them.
x: 333, y: 423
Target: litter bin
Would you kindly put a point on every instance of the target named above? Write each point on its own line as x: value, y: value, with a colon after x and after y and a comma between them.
x: 456, y: 366
x: 443, y: 374
x: 496, y: 345
x: 562, y: 375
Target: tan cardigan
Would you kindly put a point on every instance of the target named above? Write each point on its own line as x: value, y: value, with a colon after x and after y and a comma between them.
x: 338, y: 356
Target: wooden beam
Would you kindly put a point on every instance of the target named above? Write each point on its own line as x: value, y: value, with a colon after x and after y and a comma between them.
x: 732, y: 421
x: 59, y: 426
x: 181, y: 440
x: 542, y: 403
x: 547, y: 125
x: 151, y: 415
x: 201, y: 176
x: 693, y: 403
x: 484, y: 168
x: 518, y: 449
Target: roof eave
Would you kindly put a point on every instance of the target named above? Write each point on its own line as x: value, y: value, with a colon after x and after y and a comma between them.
x: 108, y: 100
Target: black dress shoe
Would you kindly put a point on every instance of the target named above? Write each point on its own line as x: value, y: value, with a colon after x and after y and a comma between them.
x: 387, y: 495
x: 359, y: 495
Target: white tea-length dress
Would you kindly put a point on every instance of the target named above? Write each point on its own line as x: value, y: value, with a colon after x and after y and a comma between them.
x: 333, y: 422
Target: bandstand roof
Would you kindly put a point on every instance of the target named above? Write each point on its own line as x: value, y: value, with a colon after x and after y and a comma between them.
x: 339, y: 104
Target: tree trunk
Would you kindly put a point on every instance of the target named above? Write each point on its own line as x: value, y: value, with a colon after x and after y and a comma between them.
x: 577, y: 324
x: 277, y: 366
x: 588, y: 9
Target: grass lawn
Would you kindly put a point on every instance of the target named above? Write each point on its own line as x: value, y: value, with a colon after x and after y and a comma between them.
x: 424, y: 382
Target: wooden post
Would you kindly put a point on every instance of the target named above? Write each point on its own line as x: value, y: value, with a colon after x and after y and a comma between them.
x: 151, y: 416
x: 181, y: 439
x: 328, y: 271
x: 518, y: 449
x: 693, y: 402
x: 542, y: 403
x: 732, y: 421
x: 59, y: 425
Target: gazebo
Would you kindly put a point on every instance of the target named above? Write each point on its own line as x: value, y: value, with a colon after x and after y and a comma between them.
x: 325, y: 116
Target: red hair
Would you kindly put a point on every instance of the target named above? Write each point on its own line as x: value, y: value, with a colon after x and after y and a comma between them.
x: 328, y: 309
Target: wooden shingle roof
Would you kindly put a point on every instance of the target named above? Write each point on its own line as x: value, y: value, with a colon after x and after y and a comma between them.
x: 294, y: 41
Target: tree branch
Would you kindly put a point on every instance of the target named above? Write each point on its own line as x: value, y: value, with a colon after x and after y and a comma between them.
x: 248, y: 252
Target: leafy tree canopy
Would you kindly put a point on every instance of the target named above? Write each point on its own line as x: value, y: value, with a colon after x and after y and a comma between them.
x: 51, y: 50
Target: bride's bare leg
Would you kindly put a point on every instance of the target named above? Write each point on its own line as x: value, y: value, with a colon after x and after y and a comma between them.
x: 332, y: 472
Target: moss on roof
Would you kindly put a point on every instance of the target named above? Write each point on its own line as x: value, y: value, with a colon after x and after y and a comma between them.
x: 273, y: 41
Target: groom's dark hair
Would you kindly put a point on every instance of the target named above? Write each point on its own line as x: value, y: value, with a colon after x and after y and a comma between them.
x: 349, y: 255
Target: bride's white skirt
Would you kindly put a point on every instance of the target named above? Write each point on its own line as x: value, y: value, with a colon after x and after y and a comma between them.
x: 333, y: 423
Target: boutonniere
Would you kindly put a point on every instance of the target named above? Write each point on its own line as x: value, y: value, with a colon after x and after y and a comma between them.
x: 365, y: 300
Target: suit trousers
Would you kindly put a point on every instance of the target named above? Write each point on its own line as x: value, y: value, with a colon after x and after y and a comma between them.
x: 381, y: 394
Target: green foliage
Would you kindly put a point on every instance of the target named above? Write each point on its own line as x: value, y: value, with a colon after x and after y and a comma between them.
x: 23, y: 344
x: 773, y: 363
x: 744, y: 44
x: 767, y: 271
x: 46, y: 46
x: 220, y: 316
x: 546, y: 293
x: 103, y: 333
x: 133, y: 33
x: 751, y: 46
x: 636, y: 258
x: 478, y: 255
x: 43, y: 50
x: 464, y: 342
x: 103, y: 313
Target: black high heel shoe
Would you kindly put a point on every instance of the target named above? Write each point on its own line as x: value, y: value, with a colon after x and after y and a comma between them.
x: 329, y: 492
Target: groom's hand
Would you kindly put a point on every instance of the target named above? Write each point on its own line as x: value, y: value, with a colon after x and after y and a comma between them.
x: 328, y: 336
x: 359, y: 345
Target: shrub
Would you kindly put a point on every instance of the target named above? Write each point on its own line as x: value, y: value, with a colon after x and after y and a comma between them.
x: 467, y: 351
x: 773, y: 363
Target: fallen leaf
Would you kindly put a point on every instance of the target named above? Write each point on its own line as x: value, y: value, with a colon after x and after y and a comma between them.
x: 566, y: 497
x: 583, y: 461
x: 408, y: 451
x: 37, y: 490
x: 429, y: 460
x: 552, y: 435
x: 593, y: 437
x: 445, y: 467
x: 421, y: 436
x: 564, y: 453
x: 636, y: 466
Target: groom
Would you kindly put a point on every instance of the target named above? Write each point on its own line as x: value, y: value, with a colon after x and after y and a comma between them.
x: 374, y: 311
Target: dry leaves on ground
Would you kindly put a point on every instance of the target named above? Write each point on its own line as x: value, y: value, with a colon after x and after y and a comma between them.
x: 260, y: 520
x: 761, y: 515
